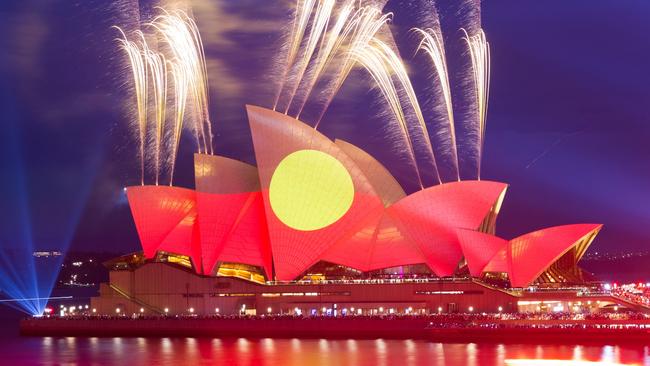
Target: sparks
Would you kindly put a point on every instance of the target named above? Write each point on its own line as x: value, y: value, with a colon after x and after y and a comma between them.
x: 372, y: 59
x: 432, y: 44
x: 139, y: 70
x: 158, y: 70
x: 479, y: 50
x: 181, y: 34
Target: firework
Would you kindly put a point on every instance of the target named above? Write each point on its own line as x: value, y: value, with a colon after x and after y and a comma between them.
x: 479, y: 50
x: 151, y: 70
x: 396, y: 67
x: 432, y: 44
x: 327, y: 53
x: 139, y: 70
x: 319, y: 25
x: 359, y: 31
x: 181, y: 79
x: 158, y: 70
x: 301, y: 18
x: 374, y: 61
x: 324, y: 48
x: 181, y: 34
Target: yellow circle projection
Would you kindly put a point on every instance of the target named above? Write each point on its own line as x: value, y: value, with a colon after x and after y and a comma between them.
x: 310, y: 190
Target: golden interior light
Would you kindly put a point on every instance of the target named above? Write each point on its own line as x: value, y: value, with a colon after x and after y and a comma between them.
x: 310, y: 190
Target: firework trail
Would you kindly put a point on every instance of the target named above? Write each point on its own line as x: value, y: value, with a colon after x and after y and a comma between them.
x: 311, y: 53
x: 319, y: 25
x: 396, y: 67
x: 139, y: 70
x: 365, y: 25
x: 479, y: 51
x: 151, y: 71
x: 203, y: 94
x: 327, y: 53
x: 181, y: 81
x: 301, y: 18
x: 374, y: 61
x: 158, y: 70
x: 555, y: 143
x: 432, y: 44
x: 181, y: 34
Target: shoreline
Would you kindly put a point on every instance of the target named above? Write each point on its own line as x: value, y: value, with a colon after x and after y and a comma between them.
x: 339, y: 328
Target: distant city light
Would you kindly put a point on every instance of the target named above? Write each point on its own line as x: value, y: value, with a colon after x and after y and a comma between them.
x: 46, y: 254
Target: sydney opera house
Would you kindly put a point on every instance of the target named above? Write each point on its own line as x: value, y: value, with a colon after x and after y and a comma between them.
x: 321, y: 227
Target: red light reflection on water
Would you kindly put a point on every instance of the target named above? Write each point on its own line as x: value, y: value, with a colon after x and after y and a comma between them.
x: 533, y: 362
x: 272, y: 352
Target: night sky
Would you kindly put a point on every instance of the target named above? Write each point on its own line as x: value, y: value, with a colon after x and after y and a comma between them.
x: 568, y: 124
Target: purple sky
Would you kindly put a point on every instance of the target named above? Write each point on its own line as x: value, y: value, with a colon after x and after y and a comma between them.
x: 568, y: 125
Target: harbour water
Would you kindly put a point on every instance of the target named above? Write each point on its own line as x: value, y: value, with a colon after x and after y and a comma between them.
x: 17, y: 350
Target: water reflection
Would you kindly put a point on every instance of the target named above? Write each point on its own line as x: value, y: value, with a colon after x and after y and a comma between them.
x: 501, y: 354
x: 471, y: 354
x: 577, y: 353
x: 439, y: 351
x: 271, y: 352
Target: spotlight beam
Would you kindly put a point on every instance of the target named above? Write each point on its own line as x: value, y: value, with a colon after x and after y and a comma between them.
x: 37, y: 299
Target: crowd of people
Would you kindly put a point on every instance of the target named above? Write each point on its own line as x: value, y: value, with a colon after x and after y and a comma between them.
x: 637, y: 293
x: 444, y: 320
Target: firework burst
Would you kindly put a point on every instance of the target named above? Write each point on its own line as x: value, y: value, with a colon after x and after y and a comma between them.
x: 432, y: 44
x: 479, y: 51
